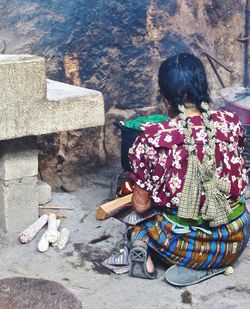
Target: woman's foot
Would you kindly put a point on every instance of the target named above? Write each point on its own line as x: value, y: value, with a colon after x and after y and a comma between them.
x: 150, y: 265
x: 183, y: 276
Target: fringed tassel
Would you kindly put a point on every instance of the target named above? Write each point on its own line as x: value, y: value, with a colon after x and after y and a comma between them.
x: 189, y: 204
x: 216, y: 207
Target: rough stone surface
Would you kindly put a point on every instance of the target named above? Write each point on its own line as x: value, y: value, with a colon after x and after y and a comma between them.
x: 44, y: 192
x: 25, y: 76
x: 116, y: 47
x: 19, y: 204
x: 32, y: 293
x: 25, y: 110
x: 18, y: 158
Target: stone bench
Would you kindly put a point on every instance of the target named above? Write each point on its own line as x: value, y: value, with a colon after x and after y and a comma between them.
x: 30, y: 105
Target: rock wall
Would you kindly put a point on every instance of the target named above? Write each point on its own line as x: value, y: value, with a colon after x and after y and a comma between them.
x: 116, y: 47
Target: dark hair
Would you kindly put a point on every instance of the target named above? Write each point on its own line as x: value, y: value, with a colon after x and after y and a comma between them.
x: 182, y: 78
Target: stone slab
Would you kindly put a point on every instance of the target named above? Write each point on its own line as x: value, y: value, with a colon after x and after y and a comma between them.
x: 18, y: 158
x: 22, y: 82
x: 19, y: 204
x: 25, y: 110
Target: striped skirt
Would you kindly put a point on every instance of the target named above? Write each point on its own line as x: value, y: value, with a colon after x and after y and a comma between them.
x: 195, y: 247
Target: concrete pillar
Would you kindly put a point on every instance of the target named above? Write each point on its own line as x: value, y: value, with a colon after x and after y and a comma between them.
x: 18, y: 183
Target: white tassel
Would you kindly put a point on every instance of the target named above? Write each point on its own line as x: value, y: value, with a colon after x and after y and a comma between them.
x: 28, y: 234
x: 63, y: 239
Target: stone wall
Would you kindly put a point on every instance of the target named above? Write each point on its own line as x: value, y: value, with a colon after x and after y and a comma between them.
x: 116, y: 47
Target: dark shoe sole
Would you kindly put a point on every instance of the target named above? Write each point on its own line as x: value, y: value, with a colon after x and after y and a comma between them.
x: 138, y: 260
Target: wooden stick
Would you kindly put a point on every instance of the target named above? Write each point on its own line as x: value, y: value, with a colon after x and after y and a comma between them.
x: 58, y: 215
x: 108, y: 209
x: 56, y: 207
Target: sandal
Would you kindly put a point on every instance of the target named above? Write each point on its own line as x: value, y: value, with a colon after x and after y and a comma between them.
x: 183, y: 276
x: 138, y: 261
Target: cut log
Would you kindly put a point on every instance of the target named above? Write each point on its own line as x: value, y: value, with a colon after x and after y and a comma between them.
x: 108, y: 209
x: 63, y: 239
x: 52, y: 233
x: 43, y: 244
x: 27, y: 235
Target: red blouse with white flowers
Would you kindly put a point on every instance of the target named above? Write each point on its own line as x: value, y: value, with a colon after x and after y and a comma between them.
x: 158, y: 157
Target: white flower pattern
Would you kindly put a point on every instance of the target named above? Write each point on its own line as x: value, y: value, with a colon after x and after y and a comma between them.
x: 161, y: 169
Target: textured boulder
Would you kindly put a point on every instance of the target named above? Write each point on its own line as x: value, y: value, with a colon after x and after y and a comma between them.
x: 30, y: 293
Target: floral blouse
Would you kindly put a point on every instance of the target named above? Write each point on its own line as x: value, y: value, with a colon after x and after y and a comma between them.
x: 158, y: 157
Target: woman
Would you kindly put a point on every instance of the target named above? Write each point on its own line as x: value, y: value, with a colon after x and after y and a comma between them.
x: 190, y: 181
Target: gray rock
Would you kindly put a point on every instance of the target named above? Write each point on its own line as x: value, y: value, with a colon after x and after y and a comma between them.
x: 31, y: 293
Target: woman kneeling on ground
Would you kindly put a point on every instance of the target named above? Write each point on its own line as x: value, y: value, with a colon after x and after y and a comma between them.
x: 190, y: 181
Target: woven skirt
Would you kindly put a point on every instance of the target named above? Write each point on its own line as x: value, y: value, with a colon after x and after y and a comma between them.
x: 195, y: 247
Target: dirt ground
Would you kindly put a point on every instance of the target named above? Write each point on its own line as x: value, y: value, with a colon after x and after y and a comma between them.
x: 95, y: 240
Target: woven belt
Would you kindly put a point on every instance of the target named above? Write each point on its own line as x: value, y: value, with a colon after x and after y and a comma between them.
x: 240, y: 200
x: 238, y: 208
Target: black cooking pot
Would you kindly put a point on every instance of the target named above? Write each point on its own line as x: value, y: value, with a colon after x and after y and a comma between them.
x: 128, y: 137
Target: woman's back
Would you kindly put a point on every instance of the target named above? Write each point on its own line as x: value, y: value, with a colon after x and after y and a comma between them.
x: 159, y: 156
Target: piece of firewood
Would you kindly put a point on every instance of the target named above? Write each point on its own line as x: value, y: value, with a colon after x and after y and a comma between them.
x: 28, y: 234
x: 63, y: 239
x: 52, y: 233
x: 108, y: 209
x: 43, y: 244
x: 56, y: 207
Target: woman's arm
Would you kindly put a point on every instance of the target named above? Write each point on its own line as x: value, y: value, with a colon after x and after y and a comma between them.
x: 141, y: 200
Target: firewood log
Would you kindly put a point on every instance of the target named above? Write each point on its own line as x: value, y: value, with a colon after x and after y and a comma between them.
x: 52, y: 234
x: 28, y: 234
x: 43, y: 244
x: 108, y: 209
x: 63, y: 239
